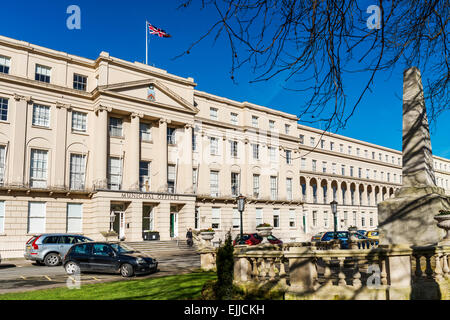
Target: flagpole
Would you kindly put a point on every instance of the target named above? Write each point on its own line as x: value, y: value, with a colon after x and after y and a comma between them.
x: 146, y: 42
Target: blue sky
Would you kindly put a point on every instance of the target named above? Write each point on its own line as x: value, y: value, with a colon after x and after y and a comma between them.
x: 118, y: 27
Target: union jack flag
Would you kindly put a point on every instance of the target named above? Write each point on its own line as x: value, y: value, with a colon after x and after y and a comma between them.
x: 161, y: 33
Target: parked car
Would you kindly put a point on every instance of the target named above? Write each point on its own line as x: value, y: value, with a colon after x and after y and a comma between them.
x: 253, y: 238
x: 374, y: 235
x: 343, y: 237
x: 51, y: 248
x: 107, y: 257
x: 317, y: 237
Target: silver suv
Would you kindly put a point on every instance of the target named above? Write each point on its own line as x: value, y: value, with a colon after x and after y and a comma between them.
x: 51, y: 248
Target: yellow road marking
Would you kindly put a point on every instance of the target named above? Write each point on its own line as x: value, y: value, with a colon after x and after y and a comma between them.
x: 48, y: 278
x: 23, y: 278
x: 95, y: 278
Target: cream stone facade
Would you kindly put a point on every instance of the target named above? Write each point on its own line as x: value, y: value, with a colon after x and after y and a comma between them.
x: 88, y: 146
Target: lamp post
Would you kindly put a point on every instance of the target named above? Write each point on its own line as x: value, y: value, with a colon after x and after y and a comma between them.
x: 334, y: 205
x: 241, y: 206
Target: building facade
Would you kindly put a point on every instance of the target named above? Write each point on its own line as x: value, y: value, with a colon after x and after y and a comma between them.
x: 89, y: 146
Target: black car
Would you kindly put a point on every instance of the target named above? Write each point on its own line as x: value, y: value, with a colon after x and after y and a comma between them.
x: 107, y: 257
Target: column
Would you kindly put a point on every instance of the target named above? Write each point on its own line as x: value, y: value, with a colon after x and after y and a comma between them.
x: 184, y: 179
x: 60, y: 155
x: 162, y: 152
x: 132, y: 159
x: 100, y: 147
x: 17, y: 143
x: 133, y: 219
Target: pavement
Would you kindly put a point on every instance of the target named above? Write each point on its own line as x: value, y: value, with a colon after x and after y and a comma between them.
x: 20, y: 275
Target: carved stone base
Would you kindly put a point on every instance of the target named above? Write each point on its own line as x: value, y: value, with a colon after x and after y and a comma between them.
x: 409, y: 217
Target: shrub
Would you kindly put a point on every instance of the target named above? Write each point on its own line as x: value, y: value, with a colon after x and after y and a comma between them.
x: 443, y: 212
x: 225, y: 268
x: 263, y: 225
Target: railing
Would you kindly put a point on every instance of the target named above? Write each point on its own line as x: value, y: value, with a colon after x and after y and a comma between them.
x: 319, y: 270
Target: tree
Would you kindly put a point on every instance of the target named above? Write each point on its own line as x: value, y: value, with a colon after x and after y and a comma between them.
x: 317, y: 45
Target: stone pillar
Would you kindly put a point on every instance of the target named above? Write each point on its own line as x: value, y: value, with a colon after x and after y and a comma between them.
x: 162, y: 176
x: 18, y: 141
x: 100, y: 147
x: 60, y: 155
x: 407, y: 218
x: 133, y: 219
x: 133, y: 158
x: 184, y: 181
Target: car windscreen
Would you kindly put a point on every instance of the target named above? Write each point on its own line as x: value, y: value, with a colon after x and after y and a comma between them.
x: 120, y: 249
x: 51, y: 240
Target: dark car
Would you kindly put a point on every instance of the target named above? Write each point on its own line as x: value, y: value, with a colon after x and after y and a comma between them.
x: 252, y: 239
x: 343, y: 237
x: 109, y: 258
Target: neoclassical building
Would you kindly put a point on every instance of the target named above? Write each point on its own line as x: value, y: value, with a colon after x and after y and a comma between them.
x: 89, y: 146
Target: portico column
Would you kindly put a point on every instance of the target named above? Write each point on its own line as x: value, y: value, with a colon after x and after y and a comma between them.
x: 132, y: 161
x: 59, y: 156
x: 100, y: 147
x: 162, y: 150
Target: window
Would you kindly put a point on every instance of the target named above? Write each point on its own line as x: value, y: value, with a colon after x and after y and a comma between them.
x: 255, y: 148
x: 214, y: 183
x: 196, y: 218
x: 354, y: 218
x: 171, y: 176
x: 379, y: 156
x: 357, y: 151
x: 349, y: 150
x: 302, y: 139
x: 3, y: 109
x: 333, y: 168
x: 289, y: 188
x: 74, y: 217
x: 375, y: 174
x: 259, y: 216
x: 322, y: 144
x: 79, y: 121
x: 77, y: 171
x: 171, y: 136
x: 145, y: 131
x: 314, y: 217
x: 213, y: 113
x: 194, y: 142
x: 41, y: 115
x: 351, y: 171
x: 2, y: 216
x: 303, y: 164
x: 363, y: 220
x: 42, y: 73
x: 325, y: 219
x: 387, y: 158
x: 276, y: 218
x: 314, y: 165
x: 272, y: 154
x: 345, y: 218
x: 271, y: 125
x: 195, y: 179
x: 234, y: 148
x: 331, y: 146
x: 373, y: 155
x: 388, y: 177
x: 214, y: 146
x: 36, y: 217
x: 114, y: 173
x: 288, y: 156
x: 115, y: 127
x: 341, y: 148
x: 312, y: 141
x: 236, y: 219
x: 287, y: 128
x: 366, y: 154
x: 144, y: 176
x: 234, y: 184
x: 367, y: 173
x: 359, y: 173
x: 234, y: 118
x: 254, y: 121
x: 2, y: 164
x: 292, y: 218
x: 79, y: 82
x: 215, y: 219
x: 5, y: 64
x: 371, y: 220
x: 324, y: 167
x: 256, y: 185
x: 38, y: 168
x: 343, y: 169
x: 273, y: 188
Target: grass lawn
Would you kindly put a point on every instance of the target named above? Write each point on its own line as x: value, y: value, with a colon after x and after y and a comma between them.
x: 178, y: 287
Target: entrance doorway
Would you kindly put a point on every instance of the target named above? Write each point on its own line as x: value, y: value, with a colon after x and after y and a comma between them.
x: 118, y: 220
x: 173, y: 222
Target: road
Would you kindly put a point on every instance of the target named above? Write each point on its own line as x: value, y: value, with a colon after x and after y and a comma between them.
x: 21, y: 275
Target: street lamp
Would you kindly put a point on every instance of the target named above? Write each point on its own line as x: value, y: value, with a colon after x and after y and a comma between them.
x: 334, y: 205
x: 241, y: 206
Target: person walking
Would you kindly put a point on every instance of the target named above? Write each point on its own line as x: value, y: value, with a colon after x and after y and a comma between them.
x: 189, y: 237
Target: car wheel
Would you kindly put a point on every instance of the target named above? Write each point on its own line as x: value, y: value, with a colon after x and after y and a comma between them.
x: 126, y: 270
x: 72, y: 268
x: 52, y: 260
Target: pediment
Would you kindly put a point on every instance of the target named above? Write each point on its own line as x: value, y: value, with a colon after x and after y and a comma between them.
x: 151, y: 91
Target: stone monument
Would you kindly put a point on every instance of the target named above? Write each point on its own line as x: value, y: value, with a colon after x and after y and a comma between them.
x: 407, y: 218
